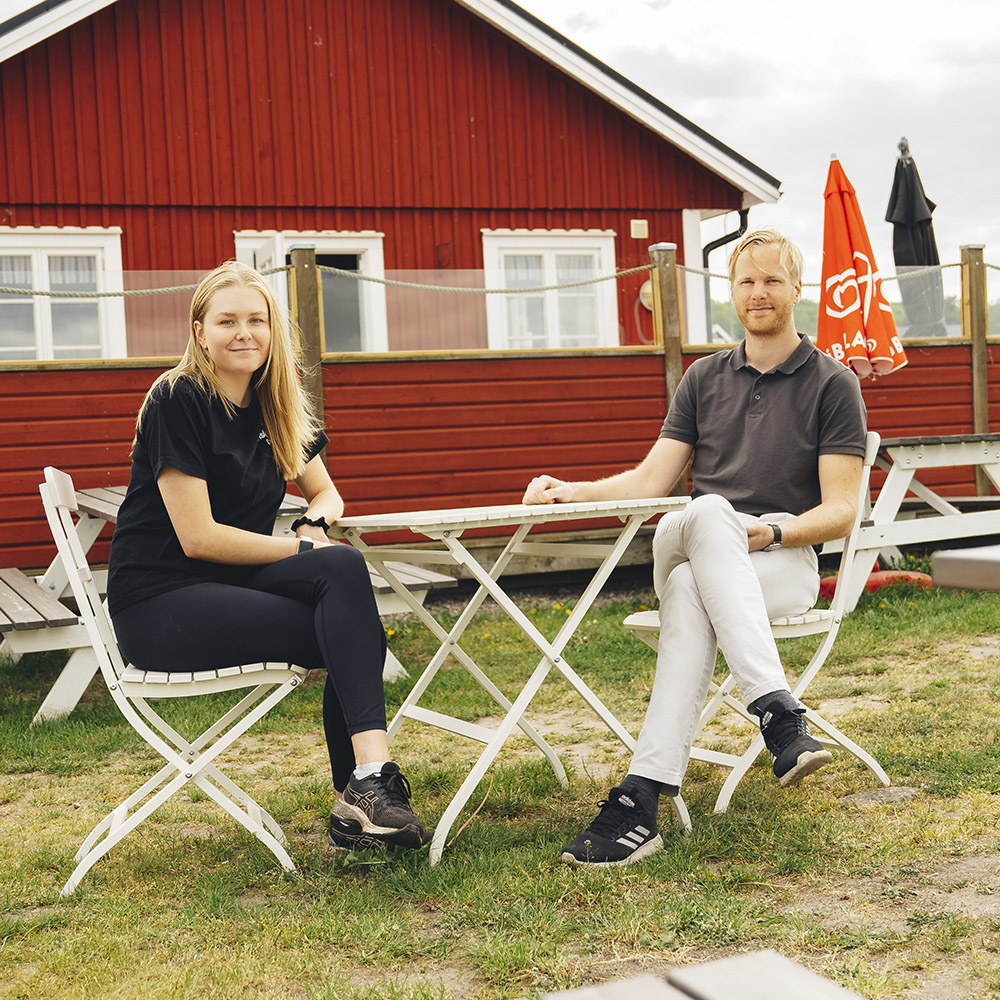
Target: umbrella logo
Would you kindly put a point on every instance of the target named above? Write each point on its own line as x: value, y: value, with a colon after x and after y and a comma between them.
x: 844, y: 290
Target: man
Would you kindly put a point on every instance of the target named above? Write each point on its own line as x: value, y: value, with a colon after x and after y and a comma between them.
x: 775, y: 431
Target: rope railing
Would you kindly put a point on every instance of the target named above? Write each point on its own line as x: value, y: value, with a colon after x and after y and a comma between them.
x: 915, y: 273
x: 481, y: 291
x: 393, y: 283
x: 130, y: 293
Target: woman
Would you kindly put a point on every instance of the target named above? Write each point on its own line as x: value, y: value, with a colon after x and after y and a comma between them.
x: 197, y: 581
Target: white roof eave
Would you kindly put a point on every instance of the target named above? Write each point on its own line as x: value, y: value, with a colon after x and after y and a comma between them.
x: 46, y: 24
x: 755, y: 188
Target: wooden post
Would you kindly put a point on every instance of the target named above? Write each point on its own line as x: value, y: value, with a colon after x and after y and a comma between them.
x: 975, y: 326
x: 667, y: 313
x: 307, y: 311
x: 667, y: 325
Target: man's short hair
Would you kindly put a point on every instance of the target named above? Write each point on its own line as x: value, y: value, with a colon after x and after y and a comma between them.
x: 789, y: 254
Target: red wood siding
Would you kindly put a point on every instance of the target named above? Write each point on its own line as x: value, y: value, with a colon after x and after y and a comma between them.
x: 182, y: 121
x: 405, y: 434
x: 428, y: 433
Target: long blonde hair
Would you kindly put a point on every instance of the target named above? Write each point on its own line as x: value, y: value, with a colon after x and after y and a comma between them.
x: 289, y: 421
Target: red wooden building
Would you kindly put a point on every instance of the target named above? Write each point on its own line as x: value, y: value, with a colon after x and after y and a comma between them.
x: 455, y: 141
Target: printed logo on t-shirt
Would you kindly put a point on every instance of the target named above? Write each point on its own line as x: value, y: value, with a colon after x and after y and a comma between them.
x: 264, y: 437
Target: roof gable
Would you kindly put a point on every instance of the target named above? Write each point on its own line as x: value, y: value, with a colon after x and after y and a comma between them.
x: 34, y: 22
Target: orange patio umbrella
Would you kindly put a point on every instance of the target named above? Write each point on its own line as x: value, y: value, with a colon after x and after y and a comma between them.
x: 855, y: 323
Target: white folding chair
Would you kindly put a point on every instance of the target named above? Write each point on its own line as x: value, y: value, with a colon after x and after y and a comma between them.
x: 826, y: 622
x: 131, y: 688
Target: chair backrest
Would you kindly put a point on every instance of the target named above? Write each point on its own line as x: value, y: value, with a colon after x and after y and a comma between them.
x: 60, y: 503
x: 837, y: 603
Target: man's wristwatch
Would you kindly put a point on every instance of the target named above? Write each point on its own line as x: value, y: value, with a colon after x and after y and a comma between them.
x: 776, y: 544
x: 305, y: 544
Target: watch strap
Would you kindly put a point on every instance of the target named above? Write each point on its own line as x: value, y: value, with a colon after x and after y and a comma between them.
x: 776, y: 544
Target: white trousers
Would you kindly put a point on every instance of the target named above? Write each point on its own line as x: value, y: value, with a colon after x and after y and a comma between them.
x: 714, y: 594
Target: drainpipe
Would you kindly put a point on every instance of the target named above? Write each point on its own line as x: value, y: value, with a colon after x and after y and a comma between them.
x: 714, y: 245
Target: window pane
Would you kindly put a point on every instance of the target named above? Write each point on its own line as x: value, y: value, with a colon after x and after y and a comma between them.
x: 525, y: 322
x: 73, y: 274
x: 523, y: 271
x: 574, y: 267
x: 577, y: 321
x: 17, y: 330
x: 75, y: 325
x: 15, y: 272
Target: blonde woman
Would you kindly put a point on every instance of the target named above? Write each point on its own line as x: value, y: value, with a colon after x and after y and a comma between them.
x: 196, y: 580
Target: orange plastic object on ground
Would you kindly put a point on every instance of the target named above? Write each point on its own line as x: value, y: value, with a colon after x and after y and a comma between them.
x: 879, y: 579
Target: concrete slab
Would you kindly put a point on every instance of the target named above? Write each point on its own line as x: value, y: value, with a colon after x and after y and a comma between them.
x: 967, y: 569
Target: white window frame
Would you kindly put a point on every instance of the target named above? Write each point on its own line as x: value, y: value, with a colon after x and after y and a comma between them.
x: 41, y: 242
x: 499, y: 242
x: 264, y: 249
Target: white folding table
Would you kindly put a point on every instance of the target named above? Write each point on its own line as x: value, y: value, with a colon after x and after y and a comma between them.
x: 446, y: 527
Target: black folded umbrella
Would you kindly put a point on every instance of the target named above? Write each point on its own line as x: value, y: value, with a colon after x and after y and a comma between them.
x: 914, y: 248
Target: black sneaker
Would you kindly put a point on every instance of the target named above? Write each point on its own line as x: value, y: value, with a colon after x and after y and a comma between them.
x: 346, y: 835
x: 795, y: 752
x: 623, y: 832
x: 380, y: 805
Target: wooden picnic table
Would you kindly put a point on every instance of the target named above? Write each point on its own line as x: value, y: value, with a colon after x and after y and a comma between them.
x: 903, y: 459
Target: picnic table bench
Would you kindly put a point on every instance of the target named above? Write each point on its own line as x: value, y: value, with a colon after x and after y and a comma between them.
x: 34, y: 619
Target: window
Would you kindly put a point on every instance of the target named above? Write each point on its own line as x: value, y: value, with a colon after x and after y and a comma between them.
x: 354, y: 312
x: 570, y: 318
x: 60, y: 327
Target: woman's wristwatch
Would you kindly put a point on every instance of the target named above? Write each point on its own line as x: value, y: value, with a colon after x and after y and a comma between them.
x: 305, y: 544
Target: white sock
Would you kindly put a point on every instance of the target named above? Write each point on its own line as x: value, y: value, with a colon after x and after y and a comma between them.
x: 367, y: 770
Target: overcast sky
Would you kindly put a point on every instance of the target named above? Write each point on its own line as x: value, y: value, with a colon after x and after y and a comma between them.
x: 787, y: 84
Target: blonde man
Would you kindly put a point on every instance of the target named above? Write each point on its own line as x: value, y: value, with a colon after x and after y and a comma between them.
x: 775, y: 433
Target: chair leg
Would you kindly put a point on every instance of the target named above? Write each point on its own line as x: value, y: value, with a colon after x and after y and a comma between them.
x: 736, y: 774
x: 849, y: 745
x: 683, y: 816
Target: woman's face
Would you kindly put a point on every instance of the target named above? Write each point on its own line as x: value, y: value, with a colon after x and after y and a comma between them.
x: 236, y: 333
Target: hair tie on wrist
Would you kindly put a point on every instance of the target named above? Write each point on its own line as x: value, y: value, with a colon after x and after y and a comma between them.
x: 315, y: 522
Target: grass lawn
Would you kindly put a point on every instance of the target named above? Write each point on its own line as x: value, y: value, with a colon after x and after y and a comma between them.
x: 892, y: 895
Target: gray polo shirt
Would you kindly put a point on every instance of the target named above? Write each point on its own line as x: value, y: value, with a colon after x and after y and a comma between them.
x: 758, y: 437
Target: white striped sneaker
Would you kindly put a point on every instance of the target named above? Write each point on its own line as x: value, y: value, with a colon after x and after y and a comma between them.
x: 624, y: 831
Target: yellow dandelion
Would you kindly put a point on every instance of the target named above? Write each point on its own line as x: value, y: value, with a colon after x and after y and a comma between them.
x: 568, y: 611
x: 390, y: 631
x: 557, y: 606
x: 642, y: 607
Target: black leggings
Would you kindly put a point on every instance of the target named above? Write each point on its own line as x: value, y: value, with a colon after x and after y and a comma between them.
x: 315, y: 609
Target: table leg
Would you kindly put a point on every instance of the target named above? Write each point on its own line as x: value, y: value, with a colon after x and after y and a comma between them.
x: 68, y: 689
x: 450, y: 647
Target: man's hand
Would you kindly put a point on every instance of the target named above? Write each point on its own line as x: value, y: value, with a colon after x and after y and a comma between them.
x: 759, y: 536
x: 545, y: 489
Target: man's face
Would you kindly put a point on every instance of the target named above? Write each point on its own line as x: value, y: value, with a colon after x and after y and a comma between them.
x: 763, y: 293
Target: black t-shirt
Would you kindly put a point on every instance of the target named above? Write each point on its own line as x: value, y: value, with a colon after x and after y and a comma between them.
x: 186, y: 430
x: 758, y: 436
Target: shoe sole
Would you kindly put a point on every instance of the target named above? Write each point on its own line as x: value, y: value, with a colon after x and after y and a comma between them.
x: 410, y: 835
x: 375, y: 845
x: 808, y: 762
x: 650, y: 847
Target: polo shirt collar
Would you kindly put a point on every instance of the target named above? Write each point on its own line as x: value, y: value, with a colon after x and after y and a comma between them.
x: 796, y: 359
